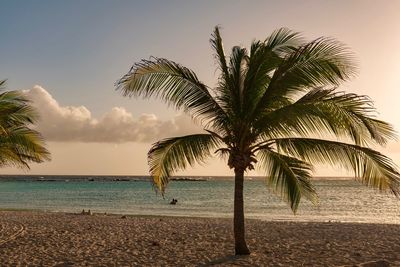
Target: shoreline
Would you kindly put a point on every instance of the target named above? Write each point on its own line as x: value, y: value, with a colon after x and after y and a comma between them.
x: 66, y: 239
x: 195, y: 217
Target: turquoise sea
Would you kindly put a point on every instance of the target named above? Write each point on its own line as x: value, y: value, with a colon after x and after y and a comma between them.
x: 340, y: 200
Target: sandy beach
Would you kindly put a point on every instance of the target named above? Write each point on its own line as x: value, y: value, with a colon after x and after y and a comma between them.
x: 29, y: 238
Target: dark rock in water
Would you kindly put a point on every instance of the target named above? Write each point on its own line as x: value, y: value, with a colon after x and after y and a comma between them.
x: 185, y: 179
x: 123, y: 217
x: 121, y: 180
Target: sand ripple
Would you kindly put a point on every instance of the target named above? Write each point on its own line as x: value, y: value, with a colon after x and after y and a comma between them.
x: 9, y: 230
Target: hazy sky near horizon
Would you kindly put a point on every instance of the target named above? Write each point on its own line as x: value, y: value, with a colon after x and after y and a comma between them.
x: 67, y: 56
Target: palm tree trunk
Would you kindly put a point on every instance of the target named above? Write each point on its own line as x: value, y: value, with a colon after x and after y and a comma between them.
x: 238, y: 216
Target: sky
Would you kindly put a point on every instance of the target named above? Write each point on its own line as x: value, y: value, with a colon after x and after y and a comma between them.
x: 67, y: 56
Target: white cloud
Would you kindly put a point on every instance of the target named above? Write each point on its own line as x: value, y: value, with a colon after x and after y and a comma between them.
x: 75, y: 123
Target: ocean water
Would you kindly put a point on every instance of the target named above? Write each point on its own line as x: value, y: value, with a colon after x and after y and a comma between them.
x: 340, y: 200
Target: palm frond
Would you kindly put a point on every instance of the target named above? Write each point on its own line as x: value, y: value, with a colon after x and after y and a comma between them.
x: 323, y: 111
x: 173, y: 154
x: 15, y: 109
x: 322, y: 62
x: 283, y: 41
x: 174, y: 84
x: 288, y: 176
x: 264, y: 58
x: 373, y: 168
x: 237, y: 70
x: 223, y: 92
x: 21, y: 145
x: 219, y: 54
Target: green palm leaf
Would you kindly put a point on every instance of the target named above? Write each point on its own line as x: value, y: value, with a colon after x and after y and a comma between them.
x: 16, y: 109
x: 19, y: 144
x: 322, y: 62
x: 219, y: 54
x: 283, y: 41
x: 173, y: 154
x: 238, y: 70
x: 289, y: 176
x: 176, y: 85
x: 373, y: 168
x: 264, y: 58
x: 324, y: 111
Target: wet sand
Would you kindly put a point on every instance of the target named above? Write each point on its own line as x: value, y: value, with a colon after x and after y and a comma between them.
x: 29, y: 238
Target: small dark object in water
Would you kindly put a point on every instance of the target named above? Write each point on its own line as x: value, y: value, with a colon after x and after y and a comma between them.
x: 174, y: 201
x: 121, y: 180
x: 123, y: 217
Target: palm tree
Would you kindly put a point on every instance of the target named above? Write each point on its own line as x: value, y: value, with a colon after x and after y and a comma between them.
x: 275, y: 106
x: 19, y: 144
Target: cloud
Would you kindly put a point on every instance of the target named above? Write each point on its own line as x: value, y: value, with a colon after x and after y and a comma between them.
x: 75, y: 123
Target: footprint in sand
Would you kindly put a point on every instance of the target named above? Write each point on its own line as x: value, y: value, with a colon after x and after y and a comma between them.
x: 10, y: 230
